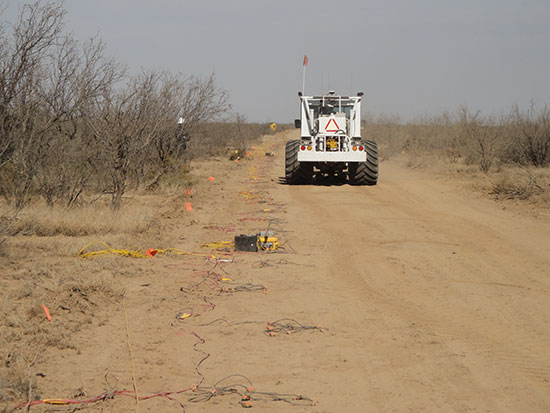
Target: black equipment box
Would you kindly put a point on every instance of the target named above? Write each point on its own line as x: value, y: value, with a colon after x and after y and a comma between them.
x: 246, y: 243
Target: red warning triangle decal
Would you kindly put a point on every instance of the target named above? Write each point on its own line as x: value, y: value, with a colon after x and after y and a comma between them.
x: 335, y: 128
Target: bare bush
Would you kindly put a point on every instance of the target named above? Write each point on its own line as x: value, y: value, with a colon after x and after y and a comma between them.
x: 217, y: 138
x: 122, y: 128
x: 134, y: 132
x: 44, y: 80
x: 68, y: 126
x: 434, y: 135
x: 195, y: 102
x: 23, y: 118
x: 518, y: 138
x: 480, y: 137
x: 516, y: 147
x: 519, y: 184
x: 529, y: 136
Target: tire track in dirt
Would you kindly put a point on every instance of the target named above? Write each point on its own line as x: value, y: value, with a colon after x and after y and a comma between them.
x: 519, y: 350
x: 452, y: 267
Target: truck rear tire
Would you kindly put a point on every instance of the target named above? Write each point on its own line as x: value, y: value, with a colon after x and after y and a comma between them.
x: 296, y: 172
x: 365, y: 173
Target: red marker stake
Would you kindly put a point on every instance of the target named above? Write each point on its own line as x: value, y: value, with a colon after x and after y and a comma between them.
x: 47, y: 312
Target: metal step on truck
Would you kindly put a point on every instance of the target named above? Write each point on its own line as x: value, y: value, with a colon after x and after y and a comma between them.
x: 330, y: 143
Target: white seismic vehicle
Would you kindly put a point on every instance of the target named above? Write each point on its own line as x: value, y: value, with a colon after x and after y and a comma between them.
x: 330, y: 142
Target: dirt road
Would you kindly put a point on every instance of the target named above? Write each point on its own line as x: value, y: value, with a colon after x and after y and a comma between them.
x: 431, y: 298
x: 438, y: 300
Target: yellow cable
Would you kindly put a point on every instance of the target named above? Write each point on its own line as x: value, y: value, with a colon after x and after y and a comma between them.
x: 220, y: 245
x: 108, y: 250
x: 136, y: 253
x: 55, y: 401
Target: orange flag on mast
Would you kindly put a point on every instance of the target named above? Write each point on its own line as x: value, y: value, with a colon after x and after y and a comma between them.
x: 305, y: 60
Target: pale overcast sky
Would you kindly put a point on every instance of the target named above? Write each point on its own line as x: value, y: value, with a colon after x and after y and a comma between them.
x: 408, y: 56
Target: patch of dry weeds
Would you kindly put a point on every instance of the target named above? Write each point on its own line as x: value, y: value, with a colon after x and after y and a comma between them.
x: 39, y: 248
x: 531, y: 184
x: 44, y: 221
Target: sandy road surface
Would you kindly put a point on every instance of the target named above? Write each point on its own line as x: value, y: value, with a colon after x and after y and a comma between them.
x: 440, y: 301
x: 432, y: 298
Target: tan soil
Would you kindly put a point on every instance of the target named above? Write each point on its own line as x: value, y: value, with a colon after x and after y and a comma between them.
x: 432, y: 299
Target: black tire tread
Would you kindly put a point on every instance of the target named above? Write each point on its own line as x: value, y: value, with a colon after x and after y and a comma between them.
x: 365, y: 173
x: 296, y: 172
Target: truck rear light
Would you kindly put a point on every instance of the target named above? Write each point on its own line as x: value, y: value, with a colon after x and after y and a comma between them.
x: 309, y: 148
x: 354, y: 148
x: 303, y: 147
x: 360, y: 148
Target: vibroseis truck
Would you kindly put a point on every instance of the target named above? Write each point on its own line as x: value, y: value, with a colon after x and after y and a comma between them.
x: 330, y: 142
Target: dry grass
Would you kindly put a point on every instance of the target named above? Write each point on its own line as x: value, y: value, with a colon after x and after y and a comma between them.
x: 72, y: 291
x: 512, y: 151
x: 519, y: 138
x: 44, y: 221
x: 523, y: 184
x: 39, y: 266
x: 15, y: 384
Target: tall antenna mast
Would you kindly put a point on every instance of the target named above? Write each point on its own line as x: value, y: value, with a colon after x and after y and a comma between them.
x: 304, y: 74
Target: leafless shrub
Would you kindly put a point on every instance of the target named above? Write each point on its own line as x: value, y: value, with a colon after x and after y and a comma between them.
x: 67, y: 125
x: 435, y: 135
x: 217, y: 138
x: 44, y: 80
x: 134, y: 131
x: 202, y: 102
x: 387, y: 130
x: 22, y: 110
x: 518, y: 138
x: 195, y: 102
x: 529, y: 134
x: 519, y: 184
x: 122, y: 128
x: 481, y: 138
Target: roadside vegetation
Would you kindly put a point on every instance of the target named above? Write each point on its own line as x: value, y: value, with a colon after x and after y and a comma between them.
x: 77, y: 131
x: 509, y: 155
x: 87, y: 152
x: 74, y: 125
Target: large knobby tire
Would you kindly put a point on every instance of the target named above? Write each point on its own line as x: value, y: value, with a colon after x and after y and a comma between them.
x: 365, y: 173
x: 296, y: 172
